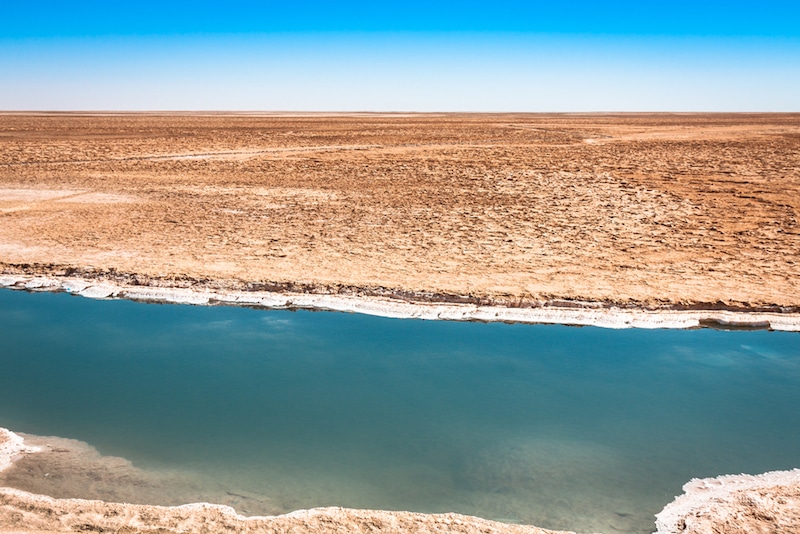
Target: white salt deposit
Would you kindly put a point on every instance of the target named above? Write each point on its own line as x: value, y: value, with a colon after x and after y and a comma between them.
x: 11, y: 446
x: 591, y: 315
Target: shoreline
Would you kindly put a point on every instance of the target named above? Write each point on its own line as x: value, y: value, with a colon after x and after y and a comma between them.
x: 734, y: 503
x: 402, y: 304
x: 726, y: 504
x: 22, y: 511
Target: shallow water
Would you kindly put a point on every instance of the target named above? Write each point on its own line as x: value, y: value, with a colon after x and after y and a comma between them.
x: 269, y: 411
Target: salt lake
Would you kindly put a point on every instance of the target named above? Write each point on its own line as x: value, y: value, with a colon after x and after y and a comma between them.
x: 585, y: 429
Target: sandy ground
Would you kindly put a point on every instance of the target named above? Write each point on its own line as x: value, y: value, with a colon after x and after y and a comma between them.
x: 645, y: 210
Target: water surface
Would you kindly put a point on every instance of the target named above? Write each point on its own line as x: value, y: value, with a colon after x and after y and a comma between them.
x: 573, y: 428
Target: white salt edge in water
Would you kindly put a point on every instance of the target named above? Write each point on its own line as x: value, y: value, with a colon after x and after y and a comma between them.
x: 11, y: 447
x: 605, y: 318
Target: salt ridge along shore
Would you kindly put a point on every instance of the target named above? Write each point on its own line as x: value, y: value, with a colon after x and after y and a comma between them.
x: 566, y: 313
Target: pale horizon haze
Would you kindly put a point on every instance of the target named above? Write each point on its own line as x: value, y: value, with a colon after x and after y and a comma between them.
x: 359, y: 56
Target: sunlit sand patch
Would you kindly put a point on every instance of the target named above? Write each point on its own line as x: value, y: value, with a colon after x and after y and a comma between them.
x: 241, y: 155
x: 58, y: 195
x: 11, y: 251
x: 34, y: 195
x: 14, y: 209
x: 278, y: 195
x: 238, y: 155
x: 681, y: 133
x: 98, y: 198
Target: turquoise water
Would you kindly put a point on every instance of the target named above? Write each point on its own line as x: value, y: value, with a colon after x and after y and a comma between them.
x: 572, y: 428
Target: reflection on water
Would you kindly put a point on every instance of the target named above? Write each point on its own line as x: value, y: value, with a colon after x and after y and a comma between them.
x: 270, y: 411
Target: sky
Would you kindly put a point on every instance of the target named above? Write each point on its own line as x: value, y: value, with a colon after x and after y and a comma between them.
x: 243, y: 55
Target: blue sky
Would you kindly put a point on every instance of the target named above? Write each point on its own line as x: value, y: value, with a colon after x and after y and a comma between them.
x: 409, y: 56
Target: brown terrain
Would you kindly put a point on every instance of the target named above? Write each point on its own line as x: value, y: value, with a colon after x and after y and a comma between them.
x: 653, y: 210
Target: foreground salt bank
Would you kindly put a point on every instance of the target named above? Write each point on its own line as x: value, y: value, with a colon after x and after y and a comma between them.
x: 725, y: 504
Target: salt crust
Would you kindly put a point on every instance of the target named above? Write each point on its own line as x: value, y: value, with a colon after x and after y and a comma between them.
x: 709, y: 496
x: 587, y: 316
x: 11, y: 447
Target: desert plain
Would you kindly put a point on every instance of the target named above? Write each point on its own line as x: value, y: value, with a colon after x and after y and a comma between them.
x: 638, y: 210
